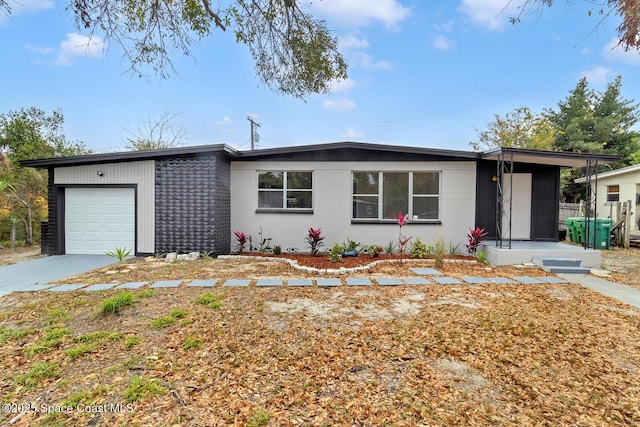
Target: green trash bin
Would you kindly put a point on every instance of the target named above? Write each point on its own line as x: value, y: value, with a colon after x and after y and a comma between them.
x: 579, y: 228
x: 571, y: 229
x: 599, y: 232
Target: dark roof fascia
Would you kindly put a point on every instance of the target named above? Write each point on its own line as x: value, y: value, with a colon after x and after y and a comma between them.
x: 260, y: 153
x: 131, y: 156
x: 556, y: 158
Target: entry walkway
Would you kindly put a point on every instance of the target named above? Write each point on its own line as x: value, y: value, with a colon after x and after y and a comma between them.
x: 32, y: 275
x: 624, y: 293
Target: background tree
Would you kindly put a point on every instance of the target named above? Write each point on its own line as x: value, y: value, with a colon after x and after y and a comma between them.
x: 627, y: 10
x: 29, y: 134
x: 591, y: 122
x: 156, y: 134
x: 293, y: 52
x: 520, y: 128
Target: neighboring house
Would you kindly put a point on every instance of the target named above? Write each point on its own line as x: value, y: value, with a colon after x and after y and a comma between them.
x: 193, y: 198
x: 615, y: 186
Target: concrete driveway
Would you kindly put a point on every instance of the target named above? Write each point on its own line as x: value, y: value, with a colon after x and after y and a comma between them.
x: 33, y: 275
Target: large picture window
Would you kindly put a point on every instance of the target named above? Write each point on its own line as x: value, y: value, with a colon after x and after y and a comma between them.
x: 285, y: 190
x: 381, y: 195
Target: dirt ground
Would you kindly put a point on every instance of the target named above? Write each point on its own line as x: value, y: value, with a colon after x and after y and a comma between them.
x: 12, y: 256
x: 624, y: 265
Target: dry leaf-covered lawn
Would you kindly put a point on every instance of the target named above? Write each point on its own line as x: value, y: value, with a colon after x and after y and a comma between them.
x: 424, y: 355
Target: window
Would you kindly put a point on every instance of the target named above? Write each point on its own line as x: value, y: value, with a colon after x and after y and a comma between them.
x: 285, y: 190
x: 381, y: 195
x: 613, y: 193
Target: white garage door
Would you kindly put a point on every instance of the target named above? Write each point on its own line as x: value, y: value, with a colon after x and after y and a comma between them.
x: 99, y: 219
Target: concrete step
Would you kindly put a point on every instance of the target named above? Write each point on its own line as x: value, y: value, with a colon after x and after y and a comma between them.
x: 544, y: 261
x: 567, y: 270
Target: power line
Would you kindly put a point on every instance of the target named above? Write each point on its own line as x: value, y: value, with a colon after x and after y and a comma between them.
x: 254, y: 134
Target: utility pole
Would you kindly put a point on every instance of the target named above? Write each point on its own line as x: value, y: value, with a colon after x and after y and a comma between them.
x: 254, y: 134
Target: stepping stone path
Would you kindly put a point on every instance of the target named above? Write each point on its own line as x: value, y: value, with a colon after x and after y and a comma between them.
x: 501, y: 280
x: 528, y: 280
x: 358, y: 281
x: 203, y: 283
x: 416, y: 281
x: 475, y: 280
x: 63, y: 288
x: 299, y: 282
x: 236, y: 283
x: 425, y: 271
x: 100, y: 287
x: 447, y: 280
x: 132, y: 285
x: 269, y: 282
x: 329, y: 282
x: 167, y: 284
x: 388, y: 281
x: 552, y: 280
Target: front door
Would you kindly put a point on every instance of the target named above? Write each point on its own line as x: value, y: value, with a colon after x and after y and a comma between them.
x: 520, y: 204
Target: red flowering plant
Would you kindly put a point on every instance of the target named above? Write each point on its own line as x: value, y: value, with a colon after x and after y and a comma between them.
x: 242, y: 238
x: 402, y: 239
x: 475, y: 236
x: 314, y: 239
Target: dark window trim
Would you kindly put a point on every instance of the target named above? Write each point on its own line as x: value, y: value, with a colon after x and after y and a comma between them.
x: 284, y: 211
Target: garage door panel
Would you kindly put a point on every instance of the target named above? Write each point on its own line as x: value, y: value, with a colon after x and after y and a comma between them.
x: 99, y: 220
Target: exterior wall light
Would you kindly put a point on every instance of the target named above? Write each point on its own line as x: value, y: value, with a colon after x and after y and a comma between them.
x: 100, y: 173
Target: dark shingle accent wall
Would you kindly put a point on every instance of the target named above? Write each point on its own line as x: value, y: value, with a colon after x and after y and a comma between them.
x: 50, y: 232
x: 193, y: 206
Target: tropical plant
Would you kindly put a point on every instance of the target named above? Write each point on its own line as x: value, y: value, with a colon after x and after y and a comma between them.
x: 481, y: 256
x: 419, y: 249
x: 454, y: 249
x: 402, y: 239
x: 264, y: 242
x: 351, y: 245
x: 277, y: 250
x: 335, y: 254
x: 375, y: 250
x: 475, y: 236
x: 241, y: 238
x: 119, y: 253
x: 314, y: 239
x: 390, y: 248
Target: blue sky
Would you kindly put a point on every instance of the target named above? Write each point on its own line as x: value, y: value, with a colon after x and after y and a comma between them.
x: 424, y: 74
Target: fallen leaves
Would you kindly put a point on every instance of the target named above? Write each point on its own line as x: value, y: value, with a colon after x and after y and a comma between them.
x: 408, y: 355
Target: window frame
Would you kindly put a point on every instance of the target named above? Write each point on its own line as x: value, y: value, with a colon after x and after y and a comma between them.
x: 284, y: 190
x: 410, y: 194
x: 613, y: 193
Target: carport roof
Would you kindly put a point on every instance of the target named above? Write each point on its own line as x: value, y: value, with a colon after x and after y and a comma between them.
x: 554, y: 158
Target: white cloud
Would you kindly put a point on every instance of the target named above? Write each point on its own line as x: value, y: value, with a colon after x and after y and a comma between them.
x: 585, y: 51
x: 342, y: 104
x: 40, y: 50
x: 446, y: 27
x: 226, y: 121
x: 614, y: 52
x: 365, y: 60
x: 342, y: 85
x: 597, y: 75
x: 352, y: 42
x: 492, y: 14
x: 443, y: 43
x: 79, y: 46
x: 364, y: 12
x: 352, y: 135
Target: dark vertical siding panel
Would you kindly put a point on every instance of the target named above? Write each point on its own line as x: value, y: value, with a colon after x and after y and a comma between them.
x: 486, y: 198
x: 545, y: 202
x: 192, y: 205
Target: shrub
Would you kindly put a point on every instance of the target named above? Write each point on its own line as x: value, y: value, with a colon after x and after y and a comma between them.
x: 481, y: 256
x: 315, y: 240
x: 335, y: 254
x: 419, y: 249
x: 351, y: 245
x: 277, y: 250
x: 390, y: 248
x: 241, y: 238
x: 375, y: 250
x: 454, y: 249
x: 475, y: 236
